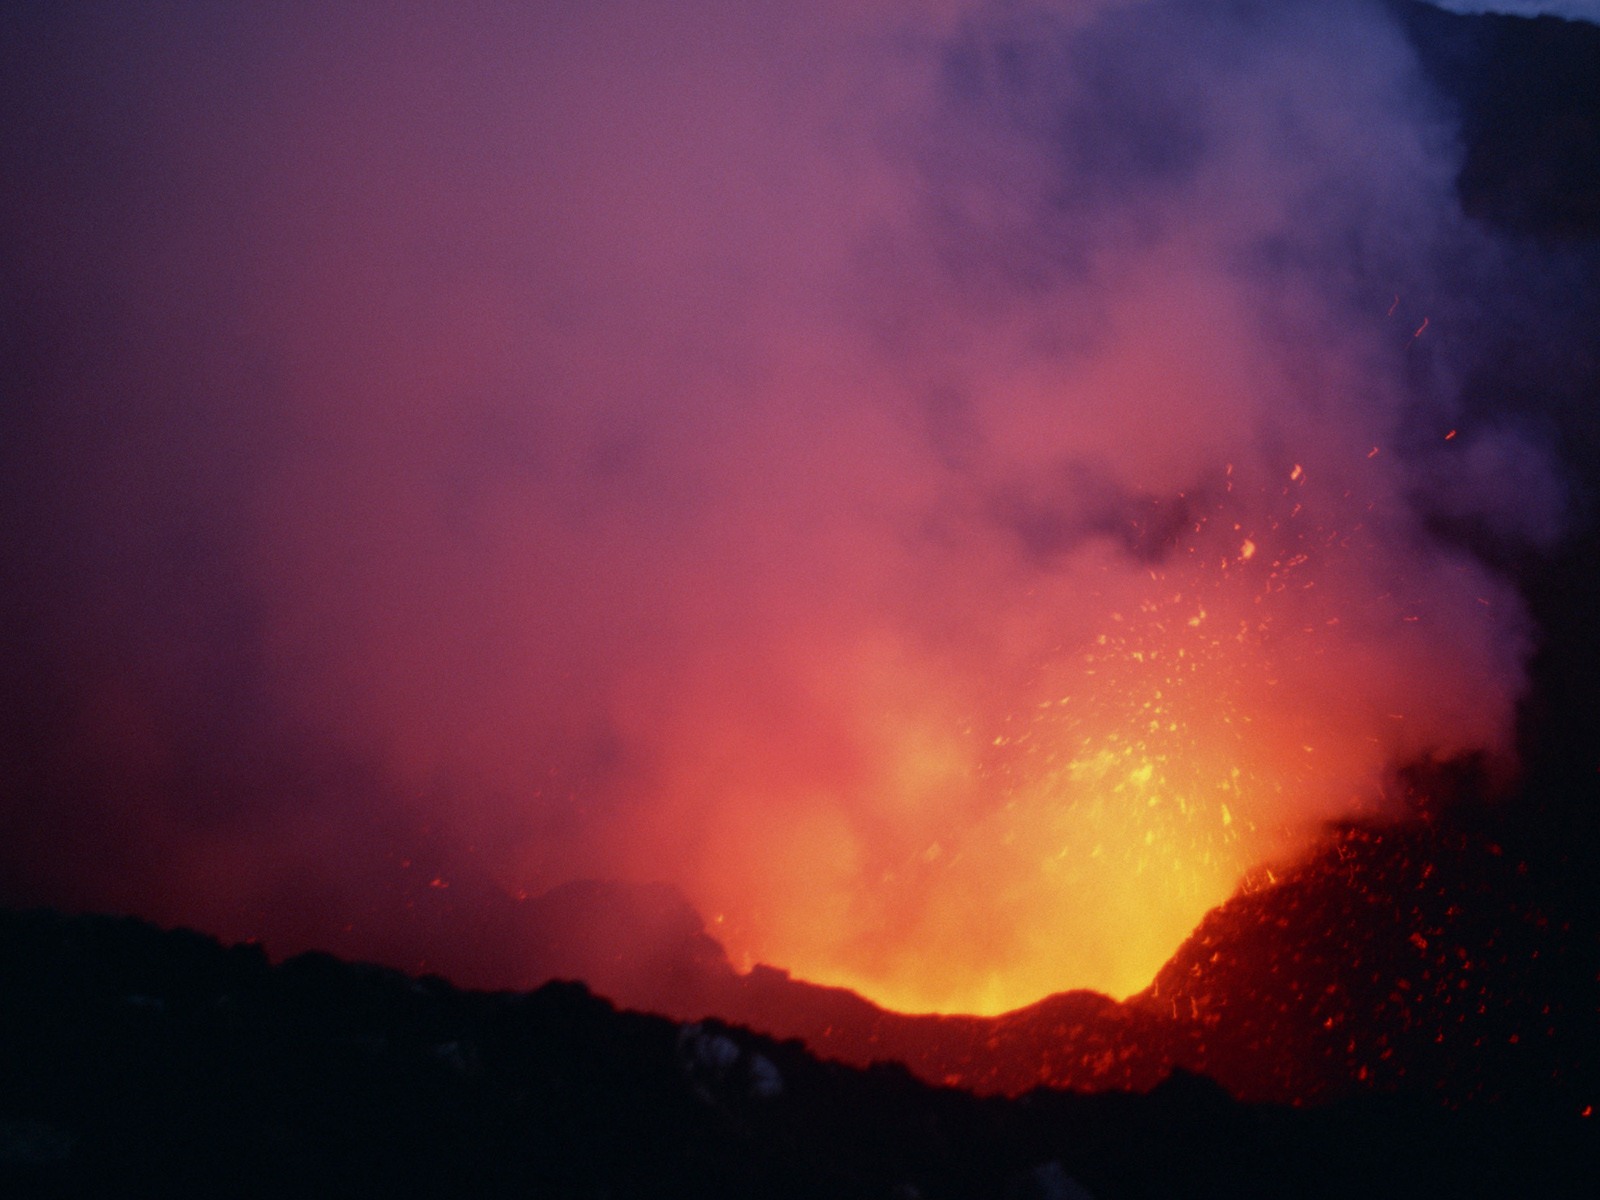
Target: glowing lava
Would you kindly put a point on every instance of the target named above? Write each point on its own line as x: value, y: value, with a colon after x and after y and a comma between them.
x: 1250, y: 678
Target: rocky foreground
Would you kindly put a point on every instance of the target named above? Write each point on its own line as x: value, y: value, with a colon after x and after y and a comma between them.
x: 135, y: 1061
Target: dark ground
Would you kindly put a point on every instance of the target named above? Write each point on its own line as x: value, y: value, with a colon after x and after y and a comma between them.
x: 136, y: 1062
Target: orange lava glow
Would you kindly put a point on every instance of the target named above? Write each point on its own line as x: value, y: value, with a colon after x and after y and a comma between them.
x: 1227, y: 702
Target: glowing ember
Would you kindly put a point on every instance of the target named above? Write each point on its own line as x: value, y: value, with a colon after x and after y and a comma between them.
x: 1223, y: 708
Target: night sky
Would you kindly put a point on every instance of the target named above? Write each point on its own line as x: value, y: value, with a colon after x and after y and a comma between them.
x: 948, y: 486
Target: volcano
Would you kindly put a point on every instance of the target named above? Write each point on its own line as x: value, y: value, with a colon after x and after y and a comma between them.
x: 898, y: 596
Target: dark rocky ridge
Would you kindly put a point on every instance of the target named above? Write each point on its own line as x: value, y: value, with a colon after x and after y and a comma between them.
x: 1528, y: 95
x: 1423, y: 957
x: 137, y: 1062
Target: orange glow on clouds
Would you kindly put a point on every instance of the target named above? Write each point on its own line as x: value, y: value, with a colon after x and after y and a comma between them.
x: 904, y: 478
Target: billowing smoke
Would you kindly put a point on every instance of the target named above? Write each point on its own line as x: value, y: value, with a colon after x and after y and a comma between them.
x: 951, y: 488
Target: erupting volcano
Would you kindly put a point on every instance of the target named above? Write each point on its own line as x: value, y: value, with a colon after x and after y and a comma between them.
x: 996, y: 509
x: 1245, y: 666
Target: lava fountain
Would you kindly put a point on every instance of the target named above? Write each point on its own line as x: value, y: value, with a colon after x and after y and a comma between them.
x: 1259, y: 671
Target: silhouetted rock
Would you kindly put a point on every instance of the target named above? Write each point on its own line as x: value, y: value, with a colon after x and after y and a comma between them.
x: 1528, y: 98
x: 319, y: 1077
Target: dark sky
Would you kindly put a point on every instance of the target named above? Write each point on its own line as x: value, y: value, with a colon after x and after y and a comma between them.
x: 908, y: 475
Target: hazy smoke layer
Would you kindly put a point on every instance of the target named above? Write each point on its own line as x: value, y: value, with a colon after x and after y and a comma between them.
x: 964, y: 476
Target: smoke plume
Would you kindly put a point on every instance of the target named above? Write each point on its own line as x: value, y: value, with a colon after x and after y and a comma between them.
x: 949, y: 487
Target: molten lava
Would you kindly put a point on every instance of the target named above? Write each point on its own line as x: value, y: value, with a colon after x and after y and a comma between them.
x: 1251, y: 678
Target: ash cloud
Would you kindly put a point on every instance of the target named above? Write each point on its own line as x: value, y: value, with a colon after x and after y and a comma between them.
x: 688, y: 444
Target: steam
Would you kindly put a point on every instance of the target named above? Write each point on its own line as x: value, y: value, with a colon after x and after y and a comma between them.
x: 699, y: 444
